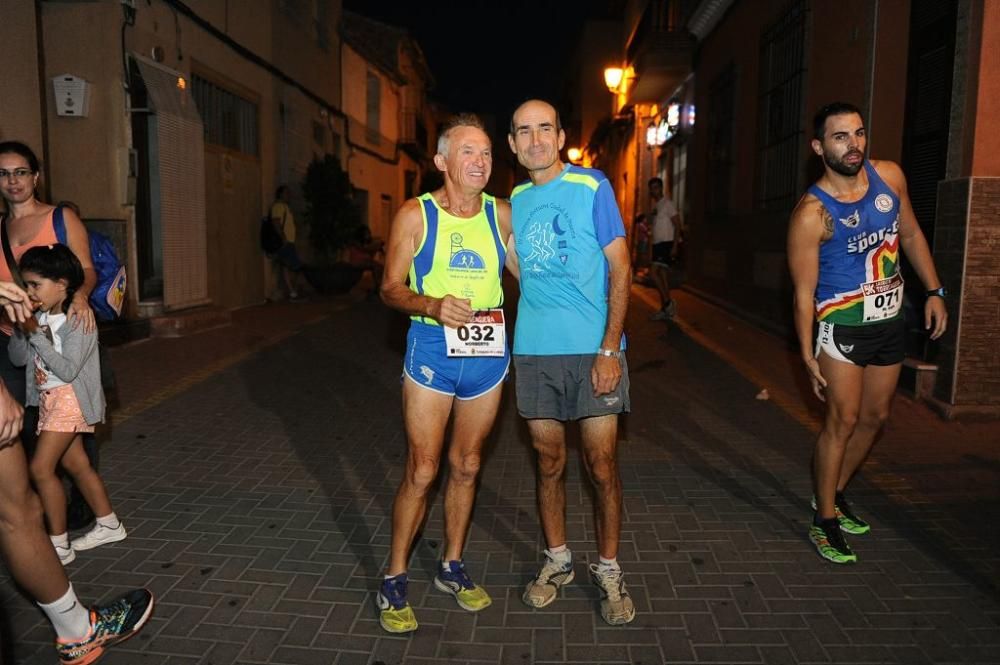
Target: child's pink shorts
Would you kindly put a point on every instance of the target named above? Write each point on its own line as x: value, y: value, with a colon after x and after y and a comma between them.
x: 59, y: 411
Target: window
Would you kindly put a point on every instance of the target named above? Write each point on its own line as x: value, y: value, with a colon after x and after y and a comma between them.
x: 721, y: 118
x: 373, y: 116
x: 230, y: 120
x: 319, y: 134
x: 361, y: 202
x: 409, y: 184
x: 321, y: 11
x: 779, y: 135
x: 386, y: 211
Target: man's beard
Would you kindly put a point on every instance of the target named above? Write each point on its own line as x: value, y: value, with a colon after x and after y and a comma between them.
x: 844, y: 169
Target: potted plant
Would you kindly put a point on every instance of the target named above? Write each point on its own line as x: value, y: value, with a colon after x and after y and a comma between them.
x: 334, y: 221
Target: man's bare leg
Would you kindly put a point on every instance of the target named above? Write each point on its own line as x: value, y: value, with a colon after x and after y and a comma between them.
x: 600, y: 455
x: 473, y: 421
x: 548, y: 437
x: 27, y: 549
x: 425, y: 417
x: 843, y: 403
x: 878, y: 387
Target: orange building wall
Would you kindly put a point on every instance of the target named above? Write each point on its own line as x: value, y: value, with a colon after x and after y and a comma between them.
x: 986, y: 155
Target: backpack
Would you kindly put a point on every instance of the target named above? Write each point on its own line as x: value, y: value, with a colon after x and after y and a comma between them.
x: 108, y: 295
x: 270, y: 240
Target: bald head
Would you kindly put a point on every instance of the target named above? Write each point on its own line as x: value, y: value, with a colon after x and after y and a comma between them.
x: 535, y: 105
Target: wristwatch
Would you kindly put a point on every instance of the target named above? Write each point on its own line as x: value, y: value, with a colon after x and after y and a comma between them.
x: 609, y: 353
x: 940, y: 292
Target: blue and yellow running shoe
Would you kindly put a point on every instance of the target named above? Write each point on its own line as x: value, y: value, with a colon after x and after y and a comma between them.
x: 455, y: 580
x: 394, y: 612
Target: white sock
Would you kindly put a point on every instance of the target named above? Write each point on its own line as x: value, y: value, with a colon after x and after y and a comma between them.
x: 560, y: 554
x: 609, y: 564
x: 389, y: 577
x: 69, y: 617
x: 110, y: 521
x: 62, y: 540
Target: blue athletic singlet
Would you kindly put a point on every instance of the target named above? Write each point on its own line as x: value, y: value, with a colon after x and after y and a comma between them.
x: 462, y: 257
x: 859, y: 281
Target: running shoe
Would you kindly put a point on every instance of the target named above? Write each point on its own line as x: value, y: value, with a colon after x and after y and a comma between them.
x: 99, y: 535
x: 830, y: 542
x: 394, y: 612
x: 849, y: 521
x: 542, y: 590
x: 617, y: 607
x: 109, y: 624
x: 468, y: 595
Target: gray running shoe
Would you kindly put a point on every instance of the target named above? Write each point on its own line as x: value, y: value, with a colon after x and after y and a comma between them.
x: 542, y: 590
x: 617, y: 607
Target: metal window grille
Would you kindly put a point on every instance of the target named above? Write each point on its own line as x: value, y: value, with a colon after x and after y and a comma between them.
x: 779, y: 135
x: 230, y: 121
x: 721, y: 122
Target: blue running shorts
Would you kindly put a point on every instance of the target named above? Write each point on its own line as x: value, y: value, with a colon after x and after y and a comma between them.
x: 427, y: 364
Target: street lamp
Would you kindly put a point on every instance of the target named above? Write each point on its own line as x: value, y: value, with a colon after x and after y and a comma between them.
x: 613, y: 78
x: 574, y: 154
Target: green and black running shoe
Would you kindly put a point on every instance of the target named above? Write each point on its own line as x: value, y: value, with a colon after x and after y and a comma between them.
x: 830, y: 542
x: 849, y: 521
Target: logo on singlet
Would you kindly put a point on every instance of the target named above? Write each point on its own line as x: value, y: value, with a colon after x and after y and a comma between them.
x: 852, y: 220
x: 462, y: 258
x: 883, y: 203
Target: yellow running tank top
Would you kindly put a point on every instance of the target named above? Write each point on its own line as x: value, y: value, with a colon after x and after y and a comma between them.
x: 462, y: 257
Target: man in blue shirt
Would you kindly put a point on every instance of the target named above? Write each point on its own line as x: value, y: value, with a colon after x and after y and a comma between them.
x: 568, y: 344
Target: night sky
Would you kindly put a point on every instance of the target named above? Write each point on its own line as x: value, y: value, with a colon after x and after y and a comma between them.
x: 489, y: 56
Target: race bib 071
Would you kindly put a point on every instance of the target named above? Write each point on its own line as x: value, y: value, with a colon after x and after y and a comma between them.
x: 883, y: 298
x: 484, y: 335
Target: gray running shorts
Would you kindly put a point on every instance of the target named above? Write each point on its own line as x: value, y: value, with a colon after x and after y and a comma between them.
x: 560, y: 388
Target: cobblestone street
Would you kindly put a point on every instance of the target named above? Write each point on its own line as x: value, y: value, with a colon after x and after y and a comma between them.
x: 255, y: 465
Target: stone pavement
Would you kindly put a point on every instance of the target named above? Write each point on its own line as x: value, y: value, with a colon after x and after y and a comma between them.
x: 255, y: 466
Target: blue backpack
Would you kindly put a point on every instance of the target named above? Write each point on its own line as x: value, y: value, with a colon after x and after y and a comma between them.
x: 108, y: 295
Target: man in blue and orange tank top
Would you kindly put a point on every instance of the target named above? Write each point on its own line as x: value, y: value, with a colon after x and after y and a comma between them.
x: 843, y: 251
x: 444, y: 261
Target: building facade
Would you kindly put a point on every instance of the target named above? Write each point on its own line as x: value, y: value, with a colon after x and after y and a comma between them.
x: 729, y: 120
x: 195, y: 112
x: 391, y: 124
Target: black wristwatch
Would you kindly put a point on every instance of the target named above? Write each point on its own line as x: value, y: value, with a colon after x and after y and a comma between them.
x: 940, y: 292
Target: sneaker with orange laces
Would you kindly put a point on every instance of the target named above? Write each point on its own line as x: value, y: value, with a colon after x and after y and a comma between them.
x: 109, y: 624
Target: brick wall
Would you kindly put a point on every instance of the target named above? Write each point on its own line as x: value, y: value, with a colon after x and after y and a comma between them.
x: 967, y: 255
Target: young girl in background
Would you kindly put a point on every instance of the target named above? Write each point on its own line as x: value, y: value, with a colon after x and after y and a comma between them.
x: 64, y: 381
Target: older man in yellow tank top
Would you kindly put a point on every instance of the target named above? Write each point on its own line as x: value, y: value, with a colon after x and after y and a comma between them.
x: 444, y: 260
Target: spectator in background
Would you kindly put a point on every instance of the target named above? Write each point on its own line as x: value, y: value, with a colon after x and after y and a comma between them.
x: 368, y: 254
x: 289, y: 264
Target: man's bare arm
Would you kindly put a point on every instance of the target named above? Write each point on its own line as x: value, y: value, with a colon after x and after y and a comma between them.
x: 607, y: 371
x: 915, y: 246
x: 806, y: 231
